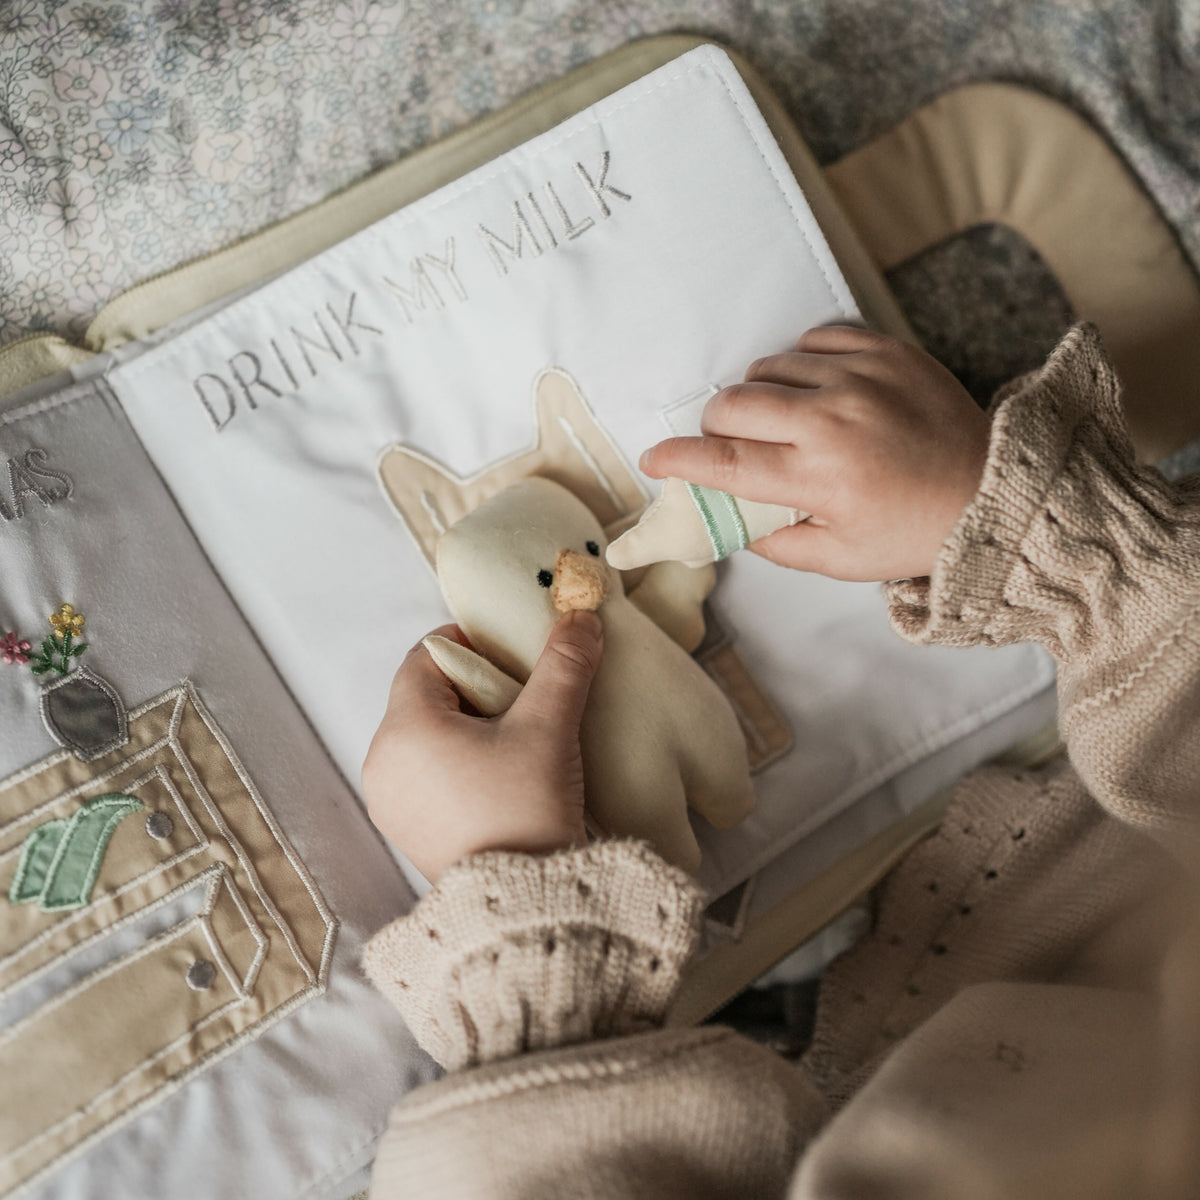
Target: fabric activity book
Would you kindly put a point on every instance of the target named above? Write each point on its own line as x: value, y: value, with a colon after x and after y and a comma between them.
x: 215, y: 549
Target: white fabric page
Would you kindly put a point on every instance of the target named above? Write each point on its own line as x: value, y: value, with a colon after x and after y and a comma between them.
x: 650, y: 246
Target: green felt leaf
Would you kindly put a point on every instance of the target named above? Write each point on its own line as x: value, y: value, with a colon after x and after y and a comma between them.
x: 36, y: 855
x: 77, y: 650
x: 72, y: 873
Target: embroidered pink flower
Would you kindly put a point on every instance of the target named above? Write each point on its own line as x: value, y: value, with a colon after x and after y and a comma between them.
x: 14, y: 649
x: 67, y: 622
x: 221, y: 156
x: 81, y: 79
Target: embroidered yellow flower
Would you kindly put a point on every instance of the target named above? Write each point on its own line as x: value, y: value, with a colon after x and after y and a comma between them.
x: 67, y: 622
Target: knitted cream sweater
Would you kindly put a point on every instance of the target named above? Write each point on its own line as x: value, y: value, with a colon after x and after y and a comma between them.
x: 1006, y: 1029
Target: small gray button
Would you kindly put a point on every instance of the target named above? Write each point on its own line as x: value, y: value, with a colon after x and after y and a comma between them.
x: 201, y: 974
x: 159, y: 826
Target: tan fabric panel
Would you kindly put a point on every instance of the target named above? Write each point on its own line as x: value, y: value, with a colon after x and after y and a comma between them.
x: 768, y: 735
x: 1000, y: 153
x: 109, y: 1043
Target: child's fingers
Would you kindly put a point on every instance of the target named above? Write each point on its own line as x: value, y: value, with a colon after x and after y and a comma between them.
x: 759, y: 412
x: 803, y: 547
x: 557, y: 689
x: 796, y: 369
x: 752, y: 470
x: 839, y: 339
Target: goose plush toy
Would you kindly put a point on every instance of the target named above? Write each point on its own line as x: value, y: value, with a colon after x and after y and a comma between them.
x: 657, y: 734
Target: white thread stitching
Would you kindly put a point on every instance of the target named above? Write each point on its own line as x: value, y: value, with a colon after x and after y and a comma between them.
x: 593, y: 466
x: 214, y: 945
x: 255, y: 931
x: 234, y: 844
x: 737, y: 104
x: 175, y: 1082
x: 119, y: 739
x: 59, y: 756
x: 432, y: 511
x: 268, y: 818
x: 94, y: 977
x: 102, y: 932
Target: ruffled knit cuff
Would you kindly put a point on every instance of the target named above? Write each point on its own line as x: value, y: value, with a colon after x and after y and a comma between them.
x: 513, y: 952
x: 1062, y: 521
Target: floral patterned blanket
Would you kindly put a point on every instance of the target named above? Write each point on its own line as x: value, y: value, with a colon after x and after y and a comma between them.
x: 136, y: 136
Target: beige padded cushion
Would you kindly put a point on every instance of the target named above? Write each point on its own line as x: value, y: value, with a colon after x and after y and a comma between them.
x: 997, y: 153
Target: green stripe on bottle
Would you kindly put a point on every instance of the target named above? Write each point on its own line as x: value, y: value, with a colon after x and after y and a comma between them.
x: 722, y: 519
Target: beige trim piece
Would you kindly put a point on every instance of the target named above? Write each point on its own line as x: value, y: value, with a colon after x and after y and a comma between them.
x: 995, y: 152
x: 123, y: 1036
x: 37, y: 357
x: 767, y: 733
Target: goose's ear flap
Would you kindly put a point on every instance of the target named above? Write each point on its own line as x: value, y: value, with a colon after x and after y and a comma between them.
x: 574, y: 450
x: 488, y: 688
x: 425, y: 495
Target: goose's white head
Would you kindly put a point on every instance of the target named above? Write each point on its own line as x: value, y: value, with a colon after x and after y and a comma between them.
x: 513, y: 566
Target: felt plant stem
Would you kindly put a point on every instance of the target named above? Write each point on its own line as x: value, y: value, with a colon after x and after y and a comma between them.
x: 57, y: 651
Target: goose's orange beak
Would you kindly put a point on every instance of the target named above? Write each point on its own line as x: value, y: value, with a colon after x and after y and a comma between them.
x: 580, y: 581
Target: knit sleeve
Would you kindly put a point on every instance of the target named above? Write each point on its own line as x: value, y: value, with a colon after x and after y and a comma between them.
x: 513, y: 952
x: 1068, y: 542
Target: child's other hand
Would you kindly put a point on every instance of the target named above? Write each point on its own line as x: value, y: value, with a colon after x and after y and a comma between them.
x: 872, y: 436
x: 441, y: 784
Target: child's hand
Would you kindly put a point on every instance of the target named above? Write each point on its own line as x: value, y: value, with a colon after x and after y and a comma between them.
x: 872, y: 436
x: 441, y: 785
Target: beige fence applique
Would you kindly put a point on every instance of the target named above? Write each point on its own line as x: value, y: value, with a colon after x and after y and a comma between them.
x: 166, y: 831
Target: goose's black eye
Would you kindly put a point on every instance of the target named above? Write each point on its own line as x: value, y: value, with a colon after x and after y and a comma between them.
x: 545, y: 578
x: 593, y: 549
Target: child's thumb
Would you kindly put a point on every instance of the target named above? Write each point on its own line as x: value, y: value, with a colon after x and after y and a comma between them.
x: 557, y: 689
